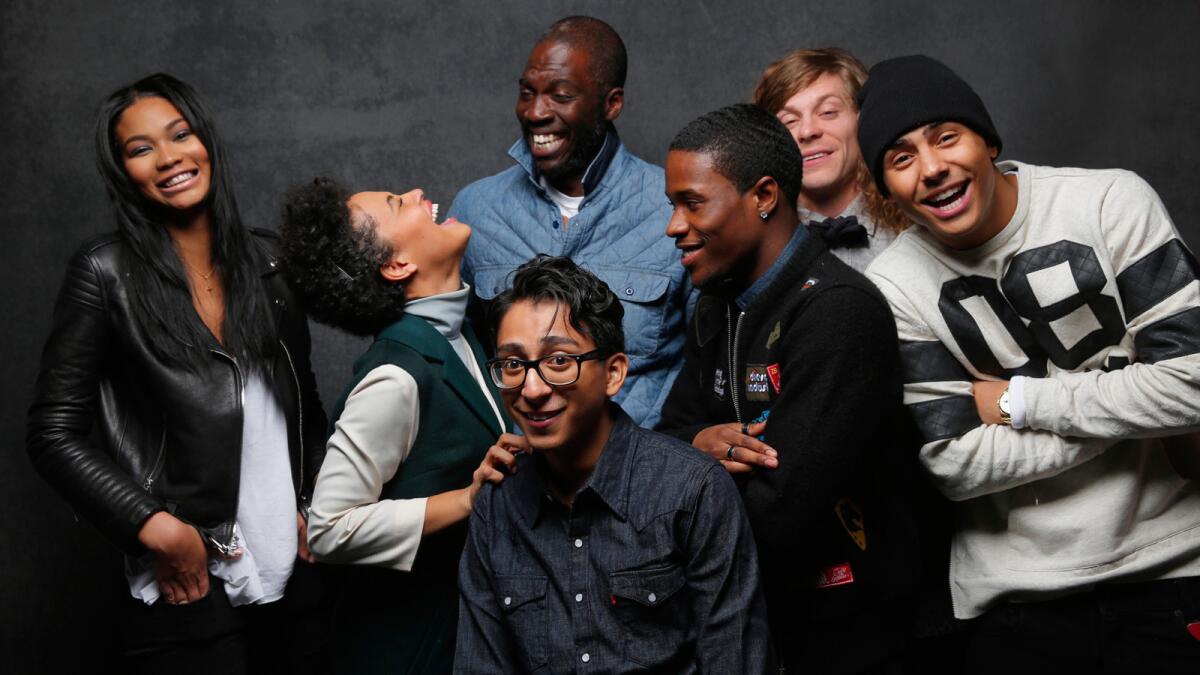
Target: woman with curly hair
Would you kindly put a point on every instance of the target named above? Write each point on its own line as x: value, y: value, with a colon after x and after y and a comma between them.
x: 409, y: 444
x: 177, y: 338
x: 812, y: 91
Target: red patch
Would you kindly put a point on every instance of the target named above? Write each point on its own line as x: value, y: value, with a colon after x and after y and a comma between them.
x: 773, y: 376
x: 613, y: 598
x: 835, y: 575
x: 1194, y: 629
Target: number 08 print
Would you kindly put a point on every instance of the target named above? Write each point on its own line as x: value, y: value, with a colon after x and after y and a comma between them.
x: 1052, y: 307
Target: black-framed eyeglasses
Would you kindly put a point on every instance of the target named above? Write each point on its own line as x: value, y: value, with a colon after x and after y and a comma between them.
x: 556, y: 370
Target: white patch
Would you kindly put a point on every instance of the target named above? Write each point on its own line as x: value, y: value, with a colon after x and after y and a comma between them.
x: 1006, y: 350
x: 1075, y: 326
x: 1053, y: 284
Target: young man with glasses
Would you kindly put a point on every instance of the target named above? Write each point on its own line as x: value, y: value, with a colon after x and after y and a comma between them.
x: 610, y: 547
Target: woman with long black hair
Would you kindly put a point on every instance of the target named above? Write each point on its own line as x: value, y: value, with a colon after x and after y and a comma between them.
x: 177, y: 339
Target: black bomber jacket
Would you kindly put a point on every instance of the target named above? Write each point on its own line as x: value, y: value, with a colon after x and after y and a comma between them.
x: 814, y: 355
x: 166, y: 437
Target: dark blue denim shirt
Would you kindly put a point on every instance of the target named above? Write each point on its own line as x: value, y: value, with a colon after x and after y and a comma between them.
x: 653, y: 568
x: 619, y: 234
x: 764, y: 282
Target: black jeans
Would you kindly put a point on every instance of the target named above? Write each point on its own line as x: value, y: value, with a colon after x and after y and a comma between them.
x: 210, y: 636
x: 1114, y: 628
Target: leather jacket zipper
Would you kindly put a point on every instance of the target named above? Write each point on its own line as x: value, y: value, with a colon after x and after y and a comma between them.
x: 299, y: 416
x: 734, y: 331
x: 224, y: 547
x: 150, y: 477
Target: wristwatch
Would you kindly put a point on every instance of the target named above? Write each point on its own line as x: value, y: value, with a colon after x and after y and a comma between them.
x: 1005, y: 410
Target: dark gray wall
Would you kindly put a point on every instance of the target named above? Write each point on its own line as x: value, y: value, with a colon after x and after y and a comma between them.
x: 394, y: 94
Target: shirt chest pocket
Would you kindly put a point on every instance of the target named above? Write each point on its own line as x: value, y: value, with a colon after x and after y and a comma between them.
x: 643, y: 295
x: 654, y: 611
x: 522, y: 600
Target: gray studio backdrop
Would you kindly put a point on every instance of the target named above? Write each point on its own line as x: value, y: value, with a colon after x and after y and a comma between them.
x: 396, y: 94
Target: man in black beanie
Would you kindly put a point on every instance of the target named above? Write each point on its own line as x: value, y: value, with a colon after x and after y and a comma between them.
x: 1049, y: 324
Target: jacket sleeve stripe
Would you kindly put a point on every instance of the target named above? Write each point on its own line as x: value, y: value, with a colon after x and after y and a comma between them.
x: 1172, y: 337
x: 1155, y: 277
x: 945, y: 417
x: 929, y: 361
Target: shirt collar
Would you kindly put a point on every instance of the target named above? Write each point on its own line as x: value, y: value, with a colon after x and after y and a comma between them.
x: 591, y: 177
x: 609, y: 481
x: 747, y: 296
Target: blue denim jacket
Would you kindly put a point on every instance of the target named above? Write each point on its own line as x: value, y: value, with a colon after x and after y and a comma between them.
x: 619, y: 234
x: 653, y: 568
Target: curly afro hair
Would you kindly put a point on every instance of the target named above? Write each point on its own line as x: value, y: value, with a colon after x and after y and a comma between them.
x: 595, y: 310
x: 332, y: 265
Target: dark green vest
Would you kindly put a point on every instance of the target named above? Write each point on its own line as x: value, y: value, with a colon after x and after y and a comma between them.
x: 399, y: 622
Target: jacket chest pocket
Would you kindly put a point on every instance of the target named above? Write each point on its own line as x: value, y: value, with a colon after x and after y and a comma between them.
x: 654, y: 613
x: 523, y: 602
x: 643, y: 296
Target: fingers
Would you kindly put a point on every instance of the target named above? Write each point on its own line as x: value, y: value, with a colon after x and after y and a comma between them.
x: 198, y: 588
x: 736, y: 467
x: 752, y: 456
x: 513, y: 443
x: 172, y: 591
x: 498, y: 456
x: 183, y: 587
x: 762, y: 451
x: 302, y: 550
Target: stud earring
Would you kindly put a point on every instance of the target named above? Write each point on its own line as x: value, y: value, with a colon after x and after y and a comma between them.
x: 763, y: 214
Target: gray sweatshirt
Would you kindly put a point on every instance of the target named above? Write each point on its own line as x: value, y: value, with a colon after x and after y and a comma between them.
x: 1089, y: 303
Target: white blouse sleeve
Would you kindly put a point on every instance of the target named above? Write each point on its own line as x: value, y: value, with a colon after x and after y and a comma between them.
x: 348, y: 523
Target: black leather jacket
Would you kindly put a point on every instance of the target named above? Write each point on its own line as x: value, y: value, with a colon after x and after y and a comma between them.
x: 168, y: 438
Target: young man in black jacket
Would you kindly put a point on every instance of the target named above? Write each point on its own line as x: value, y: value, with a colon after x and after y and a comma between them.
x: 791, y: 378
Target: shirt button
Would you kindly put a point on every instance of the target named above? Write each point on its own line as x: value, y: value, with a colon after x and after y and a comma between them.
x: 578, y: 543
x: 586, y: 657
x: 652, y: 597
x: 507, y: 602
x: 579, y: 597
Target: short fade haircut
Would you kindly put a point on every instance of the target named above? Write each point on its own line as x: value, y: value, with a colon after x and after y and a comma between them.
x: 745, y: 143
x: 598, y: 39
x: 332, y: 265
x: 595, y: 310
x: 799, y: 69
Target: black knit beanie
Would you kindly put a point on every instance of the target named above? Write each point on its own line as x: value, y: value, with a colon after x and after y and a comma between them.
x: 904, y: 93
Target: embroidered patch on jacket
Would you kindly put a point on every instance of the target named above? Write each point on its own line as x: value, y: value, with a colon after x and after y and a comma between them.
x: 773, y: 376
x: 773, y: 336
x: 719, y: 383
x: 852, y: 519
x: 756, y: 383
x: 809, y: 283
x: 835, y: 575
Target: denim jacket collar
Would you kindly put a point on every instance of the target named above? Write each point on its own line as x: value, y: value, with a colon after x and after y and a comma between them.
x: 591, y: 177
x: 747, y: 296
x: 609, y: 480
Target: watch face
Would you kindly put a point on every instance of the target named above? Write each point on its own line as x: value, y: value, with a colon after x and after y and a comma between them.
x: 1003, y: 403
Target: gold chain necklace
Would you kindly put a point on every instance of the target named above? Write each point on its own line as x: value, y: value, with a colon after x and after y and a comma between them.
x: 208, y: 286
